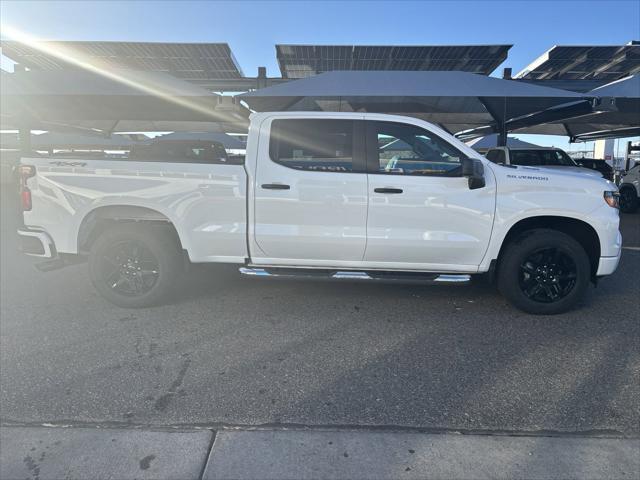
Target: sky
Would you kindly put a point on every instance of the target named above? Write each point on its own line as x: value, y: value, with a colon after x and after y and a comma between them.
x: 253, y: 28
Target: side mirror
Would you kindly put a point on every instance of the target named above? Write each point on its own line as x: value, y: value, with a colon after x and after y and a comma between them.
x: 473, y: 169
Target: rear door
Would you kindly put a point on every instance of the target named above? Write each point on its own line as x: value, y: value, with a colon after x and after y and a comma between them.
x: 422, y: 214
x: 310, y: 204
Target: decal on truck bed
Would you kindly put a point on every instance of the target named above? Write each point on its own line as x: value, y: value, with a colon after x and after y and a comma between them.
x: 69, y: 164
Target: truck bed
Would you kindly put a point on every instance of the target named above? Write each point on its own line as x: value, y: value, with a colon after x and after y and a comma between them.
x: 205, y: 202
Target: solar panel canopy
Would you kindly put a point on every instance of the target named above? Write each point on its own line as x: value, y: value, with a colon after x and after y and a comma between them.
x: 606, y: 63
x: 193, y: 62
x: 300, y: 61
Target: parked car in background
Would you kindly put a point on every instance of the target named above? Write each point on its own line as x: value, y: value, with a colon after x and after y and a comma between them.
x: 630, y: 190
x: 598, y: 165
x: 545, y: 157
x: 341, y: 195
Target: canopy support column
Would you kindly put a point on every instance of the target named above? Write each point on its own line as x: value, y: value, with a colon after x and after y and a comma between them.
x: 502, y: 136
x: 500, y: 126
x: 24, y: 136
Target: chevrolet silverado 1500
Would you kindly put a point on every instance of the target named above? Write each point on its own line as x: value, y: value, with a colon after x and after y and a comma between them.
x: 341, y: 195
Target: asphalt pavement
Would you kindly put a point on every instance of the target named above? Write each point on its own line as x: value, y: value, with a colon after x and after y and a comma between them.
x: 231, y: 351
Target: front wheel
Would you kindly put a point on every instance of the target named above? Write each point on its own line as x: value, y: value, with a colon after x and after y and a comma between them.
x: 544, y: 272
x: 133, y: 266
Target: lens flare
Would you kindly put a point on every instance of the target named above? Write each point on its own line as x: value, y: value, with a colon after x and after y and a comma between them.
x: 139, y: 80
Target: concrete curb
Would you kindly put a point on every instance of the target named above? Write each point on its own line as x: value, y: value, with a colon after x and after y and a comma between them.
x: 107, y: 453
x: 82, y: 453
x: 357, y: 455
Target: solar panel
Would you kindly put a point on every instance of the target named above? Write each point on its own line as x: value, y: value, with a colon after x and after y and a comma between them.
x: 300, y: 61
x: 194, y: 62
x: 606, y: 63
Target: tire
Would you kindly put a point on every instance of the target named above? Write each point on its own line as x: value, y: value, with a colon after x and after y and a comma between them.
x: 628, y: 199
x: 135, y: 266
x: 542, y: 263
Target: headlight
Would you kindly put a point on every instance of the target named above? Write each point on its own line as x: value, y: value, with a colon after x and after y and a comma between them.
x: 612, y: 199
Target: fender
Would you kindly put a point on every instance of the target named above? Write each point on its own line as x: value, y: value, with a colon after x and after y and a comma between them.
x: 138, y: 210
x: 502, y: 228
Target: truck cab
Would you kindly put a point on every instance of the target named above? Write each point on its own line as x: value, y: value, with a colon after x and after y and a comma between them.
x: 343, y: 195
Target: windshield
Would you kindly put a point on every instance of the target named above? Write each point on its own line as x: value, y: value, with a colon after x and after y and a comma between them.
x: 533, y: 158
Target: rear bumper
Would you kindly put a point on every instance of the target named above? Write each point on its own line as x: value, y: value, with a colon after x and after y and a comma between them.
x: 36, y: 243
x: 608, y: 265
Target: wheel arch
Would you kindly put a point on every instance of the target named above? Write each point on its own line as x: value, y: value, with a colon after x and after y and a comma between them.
x: 579, y: 230
x: 100, y: 218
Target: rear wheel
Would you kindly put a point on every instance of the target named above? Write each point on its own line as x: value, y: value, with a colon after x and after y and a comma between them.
x: 544, y: 272
x: 628, y: 199
x: 133, y: 266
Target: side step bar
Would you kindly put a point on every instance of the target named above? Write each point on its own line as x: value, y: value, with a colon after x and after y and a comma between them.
x: 380, y: 276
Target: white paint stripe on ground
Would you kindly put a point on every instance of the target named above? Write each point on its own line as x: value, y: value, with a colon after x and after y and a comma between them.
x: 636, y: 249
x: 380, y: 455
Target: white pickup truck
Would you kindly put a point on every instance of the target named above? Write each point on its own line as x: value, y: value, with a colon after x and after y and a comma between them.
x: 341, y: 195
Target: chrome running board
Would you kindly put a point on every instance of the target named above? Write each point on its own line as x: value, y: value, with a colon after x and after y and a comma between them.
x: 384, y: 276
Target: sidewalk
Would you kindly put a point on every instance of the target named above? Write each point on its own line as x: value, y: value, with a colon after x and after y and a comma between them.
x: 53, y: 453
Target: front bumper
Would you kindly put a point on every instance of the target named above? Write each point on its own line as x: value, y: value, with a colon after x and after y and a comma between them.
x: 36, y: 243
x: 608, y: 265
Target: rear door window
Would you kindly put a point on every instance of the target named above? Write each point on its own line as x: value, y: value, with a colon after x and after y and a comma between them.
x: 319, y: 145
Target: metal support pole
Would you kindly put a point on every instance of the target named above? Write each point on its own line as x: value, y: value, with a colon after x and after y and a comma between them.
x: 500, y: 120
x: 261, y: 79
x: 502, y: 135
x: 24, y: 136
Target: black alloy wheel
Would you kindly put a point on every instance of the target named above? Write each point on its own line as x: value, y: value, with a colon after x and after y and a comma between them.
x: 135, y: 266
x: 130, y: 268
x: 544, y: 271
x: 547, y: 275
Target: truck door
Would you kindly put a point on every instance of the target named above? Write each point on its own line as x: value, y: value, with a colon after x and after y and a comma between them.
x: 422, y: 214
x: 310, y: 203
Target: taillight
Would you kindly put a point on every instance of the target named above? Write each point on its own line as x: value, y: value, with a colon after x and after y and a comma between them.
x: 25, y: 172
x: 25, y: 197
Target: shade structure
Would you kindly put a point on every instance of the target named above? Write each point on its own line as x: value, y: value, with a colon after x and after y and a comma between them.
x: 490, y: 141
x: 100, y: 127
x: 73, y: 141
x: 100, y: 101
x: 620, y: 120
x: 196, y: 63
x: 455, y: 100
x: 227, y: 141
x: 299, y: 61
x: 573, y: 62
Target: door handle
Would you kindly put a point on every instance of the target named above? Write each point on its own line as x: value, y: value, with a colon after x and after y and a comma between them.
x: 388, y: 190
x: 275, y: 186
